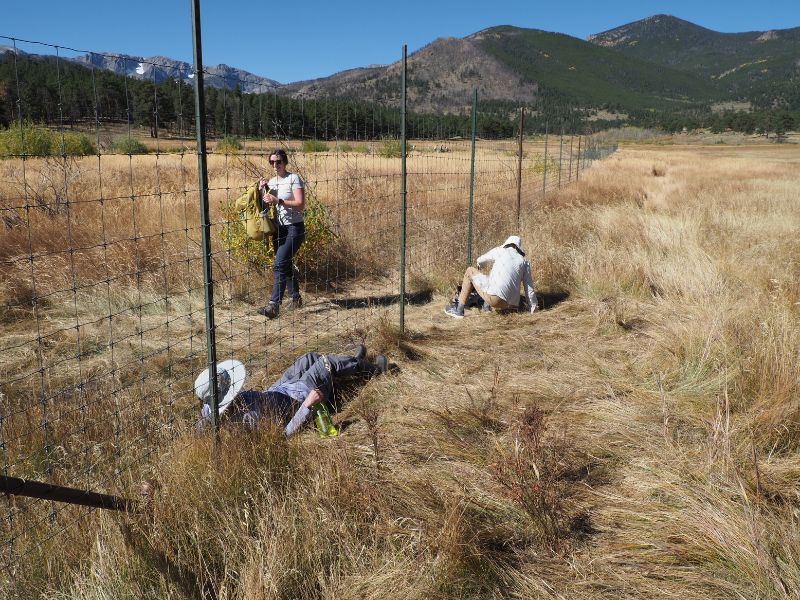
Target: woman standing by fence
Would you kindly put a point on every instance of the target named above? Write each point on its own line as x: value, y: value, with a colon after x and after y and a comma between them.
x: 286, y: 191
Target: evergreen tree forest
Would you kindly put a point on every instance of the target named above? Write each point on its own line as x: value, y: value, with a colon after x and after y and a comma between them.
x: 39, y: 89
x: 54, y: 93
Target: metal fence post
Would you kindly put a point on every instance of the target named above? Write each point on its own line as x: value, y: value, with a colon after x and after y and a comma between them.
x: 578, y: 162
x: 571, y: 138
x: 202, y: 175
x: 519, y: 162
x: 472, y: 175
x: 544, y: 172
x: 403, y: 194
x: 560, y: 148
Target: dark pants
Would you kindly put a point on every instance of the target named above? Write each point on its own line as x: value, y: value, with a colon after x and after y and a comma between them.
x: 317, y: 371
x: 286, y: 244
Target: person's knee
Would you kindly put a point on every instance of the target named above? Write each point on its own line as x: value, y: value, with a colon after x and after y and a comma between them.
x: 284, y: 267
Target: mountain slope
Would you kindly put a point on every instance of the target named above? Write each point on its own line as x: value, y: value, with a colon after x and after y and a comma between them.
x: 735, y: 61
x: 441, y: 77
x: 518, y: 65
x: 661, y: 64
x: 589, y: 73
x: 161, y: 68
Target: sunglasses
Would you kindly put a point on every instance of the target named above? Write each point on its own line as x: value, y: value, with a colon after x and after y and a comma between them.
x: 276, y: 162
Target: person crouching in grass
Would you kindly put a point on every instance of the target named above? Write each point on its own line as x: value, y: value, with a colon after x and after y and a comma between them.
x: 500, y: 289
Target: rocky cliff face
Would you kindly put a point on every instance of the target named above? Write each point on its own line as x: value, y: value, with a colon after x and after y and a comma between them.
x: 159, y: 68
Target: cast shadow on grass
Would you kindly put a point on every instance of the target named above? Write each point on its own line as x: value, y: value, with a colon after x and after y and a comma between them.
x: 414, y: 298
x: 548, y: 300
x: 545, y: 301
x: 348, y: 388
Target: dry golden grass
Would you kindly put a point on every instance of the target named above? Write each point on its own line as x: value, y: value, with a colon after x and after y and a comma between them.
x: 637, y: 440
x: 101, y: 305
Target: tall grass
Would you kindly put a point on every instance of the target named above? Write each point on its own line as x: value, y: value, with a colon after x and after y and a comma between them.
x: 637, y: 440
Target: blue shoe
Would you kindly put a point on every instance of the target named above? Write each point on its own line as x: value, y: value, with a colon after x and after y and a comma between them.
x: 453, y: 311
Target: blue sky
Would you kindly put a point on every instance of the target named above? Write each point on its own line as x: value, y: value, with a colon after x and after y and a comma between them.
x: 318, y: 38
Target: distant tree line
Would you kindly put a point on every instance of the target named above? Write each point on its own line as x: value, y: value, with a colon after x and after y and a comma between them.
x: 772, y: 121
x: 54, y: 93
x: 777, y: 121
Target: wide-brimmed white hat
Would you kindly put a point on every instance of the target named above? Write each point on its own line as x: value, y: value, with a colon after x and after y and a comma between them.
x: 230, y: 379
x: 513, y: 240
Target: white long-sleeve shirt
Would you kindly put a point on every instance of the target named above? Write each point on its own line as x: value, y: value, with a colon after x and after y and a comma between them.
x: 510, y: 269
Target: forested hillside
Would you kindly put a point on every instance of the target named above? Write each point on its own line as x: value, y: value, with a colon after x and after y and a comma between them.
x: 72, y: 94
x: 659, y: 72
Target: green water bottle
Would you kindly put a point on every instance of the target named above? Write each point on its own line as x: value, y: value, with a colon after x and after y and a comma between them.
x: 323, y: 421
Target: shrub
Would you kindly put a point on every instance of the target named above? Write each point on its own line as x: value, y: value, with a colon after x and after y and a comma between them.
x: 75, y: 144
x: 536, y: 167
x: 314, y: 146
x: 390, y: 148
x: 344, y: 147
x: 128, y: 145
x: 37, y: 140
x: 228, y: 145
x: 319, y: 236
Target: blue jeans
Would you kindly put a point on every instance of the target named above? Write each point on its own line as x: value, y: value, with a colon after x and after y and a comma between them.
x: 286, y: 244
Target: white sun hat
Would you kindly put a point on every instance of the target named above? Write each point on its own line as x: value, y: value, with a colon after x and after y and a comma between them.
x: 230, y: 379
x: 513, y: 240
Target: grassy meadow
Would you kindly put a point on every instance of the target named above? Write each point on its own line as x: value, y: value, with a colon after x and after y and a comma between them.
x: 637, y: 438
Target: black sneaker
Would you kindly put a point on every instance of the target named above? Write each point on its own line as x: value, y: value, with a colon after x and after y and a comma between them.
x: 270, y: 310
x: 474, y: 300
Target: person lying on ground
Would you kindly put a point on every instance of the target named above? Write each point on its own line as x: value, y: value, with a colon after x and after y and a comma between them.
x: 500, y: 289
x: 289, y: 401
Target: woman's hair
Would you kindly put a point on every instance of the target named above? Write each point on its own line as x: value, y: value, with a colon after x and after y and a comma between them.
x: 280, y: 153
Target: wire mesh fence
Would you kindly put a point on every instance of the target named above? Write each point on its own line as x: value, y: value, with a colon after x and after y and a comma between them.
x: 103, y: 312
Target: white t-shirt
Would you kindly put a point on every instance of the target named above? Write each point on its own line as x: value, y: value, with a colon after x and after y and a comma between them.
x: 510, y: 269
x: 286, y: 187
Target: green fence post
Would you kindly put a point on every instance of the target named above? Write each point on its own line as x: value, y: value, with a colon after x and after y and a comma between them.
x: 560, y: 149
x: 544, y: 172
x: 571, y: 138
x: 472, y: 174
x: 205, y: 226
x: 519, y: 162
x: 403, y: 195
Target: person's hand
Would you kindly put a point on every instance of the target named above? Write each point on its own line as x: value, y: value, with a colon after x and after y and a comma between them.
x: 313, y: 397
x: 268, y: 198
